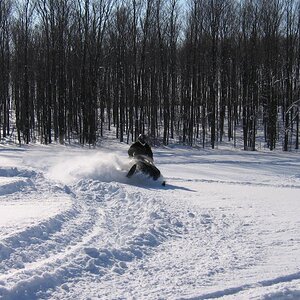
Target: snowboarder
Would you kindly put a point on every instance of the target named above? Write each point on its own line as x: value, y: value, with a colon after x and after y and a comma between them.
x: 140, y: 147
x: 143, y: 155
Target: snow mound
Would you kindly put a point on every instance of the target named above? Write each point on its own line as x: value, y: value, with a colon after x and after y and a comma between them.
x: 14, y: 180
x: 135, y: 225
x: 13, y: 185
x: 13, y: 172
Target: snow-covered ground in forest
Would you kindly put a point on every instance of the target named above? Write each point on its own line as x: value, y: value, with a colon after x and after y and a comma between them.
x: 72, y: 226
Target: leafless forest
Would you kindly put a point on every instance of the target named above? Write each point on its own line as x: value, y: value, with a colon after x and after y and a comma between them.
x: 197, y: 71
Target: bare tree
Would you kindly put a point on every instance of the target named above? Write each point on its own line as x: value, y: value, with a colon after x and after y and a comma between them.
x: 22, y: 70
x: 5, y: 12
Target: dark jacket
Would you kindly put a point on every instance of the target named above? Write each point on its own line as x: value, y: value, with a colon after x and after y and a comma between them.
x: 138, y: 148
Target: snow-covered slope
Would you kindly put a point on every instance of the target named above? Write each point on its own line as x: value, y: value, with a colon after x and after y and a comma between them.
x: 72, y: 226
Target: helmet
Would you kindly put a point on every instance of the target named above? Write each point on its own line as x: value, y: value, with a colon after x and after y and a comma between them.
x: 142, y: 139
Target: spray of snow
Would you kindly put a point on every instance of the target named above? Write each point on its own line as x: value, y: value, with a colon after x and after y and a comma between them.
x: 100, y: 166
x: 103, y: 167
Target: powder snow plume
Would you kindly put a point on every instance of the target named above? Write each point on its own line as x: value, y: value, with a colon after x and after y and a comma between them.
x: 100, y: 166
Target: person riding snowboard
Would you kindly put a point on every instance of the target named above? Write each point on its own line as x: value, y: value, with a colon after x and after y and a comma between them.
x: 140, y: 147
x: 141, y: 151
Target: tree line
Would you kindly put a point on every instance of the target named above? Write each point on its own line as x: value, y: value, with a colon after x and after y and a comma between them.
x: 199, y: 71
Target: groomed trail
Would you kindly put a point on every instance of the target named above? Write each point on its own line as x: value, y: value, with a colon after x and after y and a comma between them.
x: 73, y: 226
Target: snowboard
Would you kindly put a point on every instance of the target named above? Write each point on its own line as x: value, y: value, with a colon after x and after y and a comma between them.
x: 145, y: 165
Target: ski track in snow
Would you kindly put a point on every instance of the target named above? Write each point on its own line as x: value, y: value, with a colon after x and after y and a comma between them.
x: 93, y: 236
x: 105, y: 239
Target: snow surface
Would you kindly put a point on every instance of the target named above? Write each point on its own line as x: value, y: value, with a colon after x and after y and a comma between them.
x: 72, y: 226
